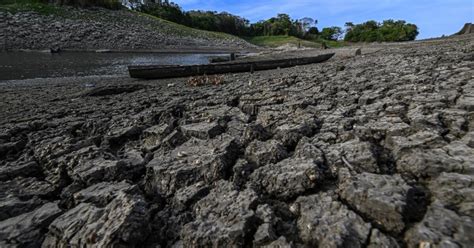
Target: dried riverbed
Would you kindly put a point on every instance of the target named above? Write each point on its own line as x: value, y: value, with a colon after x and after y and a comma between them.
x: 375, y: 150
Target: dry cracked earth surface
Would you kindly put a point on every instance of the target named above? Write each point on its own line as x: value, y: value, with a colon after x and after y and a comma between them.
x: 369, y: 151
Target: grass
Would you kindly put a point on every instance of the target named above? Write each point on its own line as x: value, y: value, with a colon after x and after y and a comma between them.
x: 276, y: 41
x: 15, y: 6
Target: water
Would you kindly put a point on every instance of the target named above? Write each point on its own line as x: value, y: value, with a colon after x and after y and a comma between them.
x: 25, y: 65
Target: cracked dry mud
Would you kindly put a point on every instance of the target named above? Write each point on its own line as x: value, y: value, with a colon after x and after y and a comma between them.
x: 369, y: 151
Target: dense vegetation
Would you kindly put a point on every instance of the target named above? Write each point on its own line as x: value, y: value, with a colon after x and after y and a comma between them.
x: 388, y: 30
x: 281, y: 26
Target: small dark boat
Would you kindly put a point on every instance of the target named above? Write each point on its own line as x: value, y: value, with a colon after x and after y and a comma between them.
x: 173, y: 71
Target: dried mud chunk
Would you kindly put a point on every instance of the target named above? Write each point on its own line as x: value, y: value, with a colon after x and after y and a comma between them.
x: 382, y: 198
x: 28, y: 229
x: 202, y: 130
x: 263, y: 153
x: 123, y: 222
x: 325, y: 222
x: 224, y: 218
x: 441, y: 227
x: 378, y: 239
x: 102, y: 193
x: 194, y: 161
x: 454, y: 191
x: 288, y: 178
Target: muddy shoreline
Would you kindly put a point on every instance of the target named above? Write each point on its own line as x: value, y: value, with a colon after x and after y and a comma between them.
x: 374, y: 150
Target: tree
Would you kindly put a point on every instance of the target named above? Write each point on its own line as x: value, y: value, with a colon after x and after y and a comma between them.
x: 331, y: 33
x: 388, y: 30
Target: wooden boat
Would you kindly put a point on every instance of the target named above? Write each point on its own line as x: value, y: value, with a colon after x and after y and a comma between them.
x: 172, y: 71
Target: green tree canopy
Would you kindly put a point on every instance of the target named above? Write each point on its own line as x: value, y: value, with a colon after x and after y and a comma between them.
x: 388, y: 30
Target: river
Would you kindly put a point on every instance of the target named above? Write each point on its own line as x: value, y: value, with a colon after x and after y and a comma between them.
x: 26, y: 65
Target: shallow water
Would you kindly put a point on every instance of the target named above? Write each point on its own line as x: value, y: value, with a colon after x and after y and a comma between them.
x: 25, y: 65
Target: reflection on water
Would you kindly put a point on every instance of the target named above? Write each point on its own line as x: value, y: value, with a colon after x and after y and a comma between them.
x: 22, y: 65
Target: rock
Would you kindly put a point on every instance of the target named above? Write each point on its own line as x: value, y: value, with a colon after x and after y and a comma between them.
x: 28, y: 229
x: 263, y: 153
x: 194, y: 161
x: 288, y: 178
x: 383, y: 198
x: 123, y: 222
x: 321, y: 214
x: 441, y: 227
x: 224, y: 218
x: 202, y: 130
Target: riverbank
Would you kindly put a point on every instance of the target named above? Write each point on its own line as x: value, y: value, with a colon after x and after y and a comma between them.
x: 71, y: 28
x: 375, y: 150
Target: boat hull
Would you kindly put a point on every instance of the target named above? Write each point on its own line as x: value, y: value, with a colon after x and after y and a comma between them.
x: 173, y: 71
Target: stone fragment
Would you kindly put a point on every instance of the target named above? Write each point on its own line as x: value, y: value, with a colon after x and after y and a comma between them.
x: 224, y: 218
x: 28, y: 229
x: 263, y: 153
x: 288, y: 178
x: 321, y: 215
x: 194, y: 161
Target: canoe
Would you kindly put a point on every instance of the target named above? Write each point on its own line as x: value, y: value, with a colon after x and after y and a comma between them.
x: 173, y: 71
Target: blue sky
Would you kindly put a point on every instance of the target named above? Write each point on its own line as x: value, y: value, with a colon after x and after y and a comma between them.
x: 433, y: 17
